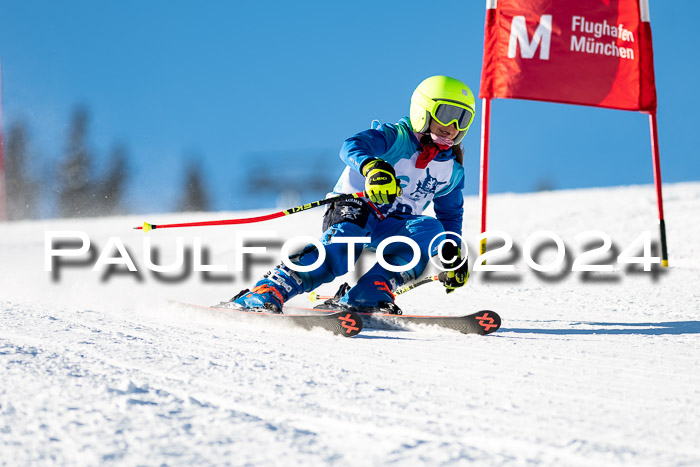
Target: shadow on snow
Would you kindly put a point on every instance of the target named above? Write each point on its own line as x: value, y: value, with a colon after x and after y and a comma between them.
x: 654, y: 329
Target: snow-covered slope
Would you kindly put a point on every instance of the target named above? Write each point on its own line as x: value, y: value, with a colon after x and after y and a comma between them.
x: 588, y: 369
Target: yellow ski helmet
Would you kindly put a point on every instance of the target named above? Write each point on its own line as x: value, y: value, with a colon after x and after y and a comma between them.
x: 445, y: 99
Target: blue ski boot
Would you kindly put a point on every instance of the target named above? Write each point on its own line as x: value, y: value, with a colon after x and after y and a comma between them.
x: 263, y: 296
x: 270, y: 293
x: 362, y: 299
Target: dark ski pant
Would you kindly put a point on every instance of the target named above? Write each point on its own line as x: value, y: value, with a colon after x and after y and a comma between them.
x: 374, y: 285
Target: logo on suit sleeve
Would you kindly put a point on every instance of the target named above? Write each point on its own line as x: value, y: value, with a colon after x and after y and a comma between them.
x: 350, y: 212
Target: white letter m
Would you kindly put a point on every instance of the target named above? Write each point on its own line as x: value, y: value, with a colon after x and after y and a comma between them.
x: 543, y: 34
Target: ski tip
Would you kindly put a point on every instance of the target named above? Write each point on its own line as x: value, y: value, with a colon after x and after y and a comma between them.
x: 147, y: 227
x: 348, y: 324
x: 488, y: 321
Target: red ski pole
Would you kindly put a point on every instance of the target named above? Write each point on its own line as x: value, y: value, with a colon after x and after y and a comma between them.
x: 250, y: 220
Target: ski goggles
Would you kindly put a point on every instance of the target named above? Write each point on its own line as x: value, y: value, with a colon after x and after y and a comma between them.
x: 448, y: 112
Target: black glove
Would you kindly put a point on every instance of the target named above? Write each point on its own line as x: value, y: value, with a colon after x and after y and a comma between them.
x: 459, y: 275
x: 381, y: 185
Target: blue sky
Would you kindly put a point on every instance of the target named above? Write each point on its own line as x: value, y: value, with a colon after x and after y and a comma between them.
x: 228, y: 81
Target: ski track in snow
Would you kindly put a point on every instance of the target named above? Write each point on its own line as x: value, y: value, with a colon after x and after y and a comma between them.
x: 596, y: 372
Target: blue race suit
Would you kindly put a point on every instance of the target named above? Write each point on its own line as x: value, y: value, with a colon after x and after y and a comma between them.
x: 441, y: 183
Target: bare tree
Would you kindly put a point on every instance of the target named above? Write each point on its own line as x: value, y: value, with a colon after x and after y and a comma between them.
x: 195, y: 197
x: 76, y: 196
x: 112, y: 187
x: 22, y: 190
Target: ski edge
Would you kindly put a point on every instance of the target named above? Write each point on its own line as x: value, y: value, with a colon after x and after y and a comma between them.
x: 341, y: 323
x: 482, y: 322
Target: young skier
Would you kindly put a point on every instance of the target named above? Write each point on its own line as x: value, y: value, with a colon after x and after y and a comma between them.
x: 402, y: 168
